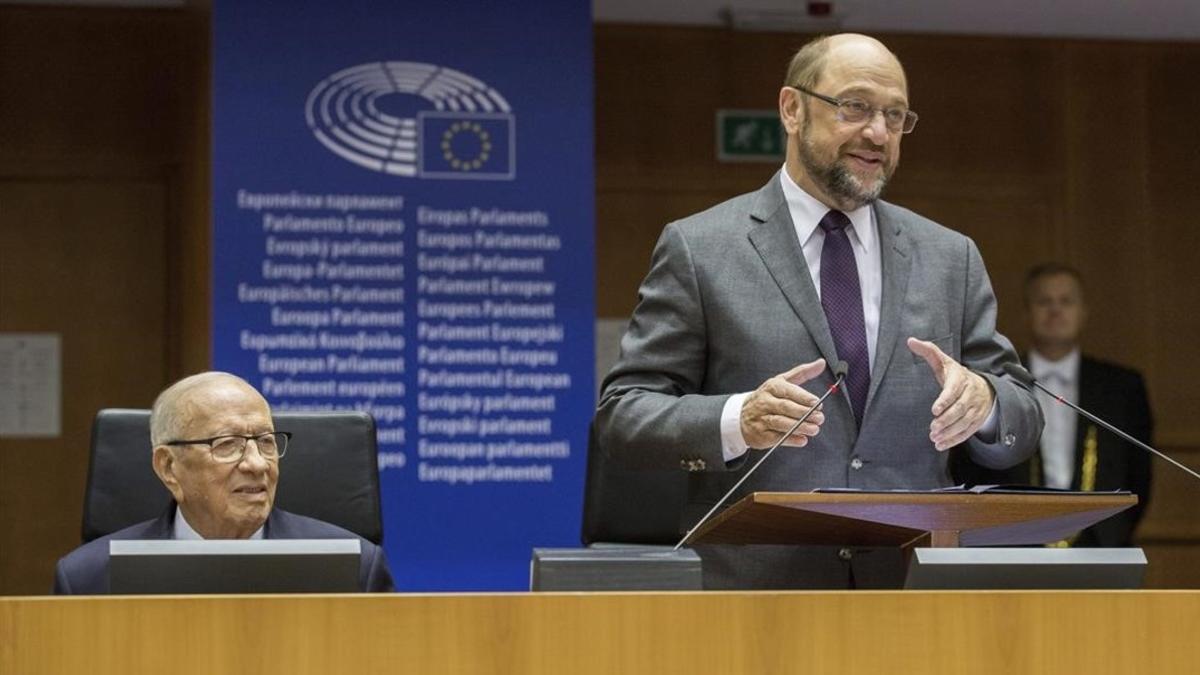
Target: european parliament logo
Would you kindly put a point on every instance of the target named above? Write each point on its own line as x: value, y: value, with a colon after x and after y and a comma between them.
x: 454, y: 145
x: 415, y: 120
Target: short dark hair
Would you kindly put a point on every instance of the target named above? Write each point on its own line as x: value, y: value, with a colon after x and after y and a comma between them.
x: 1049, y: 269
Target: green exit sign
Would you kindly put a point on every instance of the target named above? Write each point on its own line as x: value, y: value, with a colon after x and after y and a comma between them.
x: 750, y: 136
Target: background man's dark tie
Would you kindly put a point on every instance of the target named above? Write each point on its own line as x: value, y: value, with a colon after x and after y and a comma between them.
x: 841, y: 298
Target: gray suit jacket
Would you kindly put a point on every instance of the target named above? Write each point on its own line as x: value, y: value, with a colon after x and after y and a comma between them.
x: 729, y: 302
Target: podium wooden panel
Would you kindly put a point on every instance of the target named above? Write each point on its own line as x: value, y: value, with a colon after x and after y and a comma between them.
x: 1093, y: 632
x: 908, y: 518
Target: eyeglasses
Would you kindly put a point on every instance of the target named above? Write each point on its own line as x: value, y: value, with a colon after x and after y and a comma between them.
x: 231, y: 448
x: 857, y: 111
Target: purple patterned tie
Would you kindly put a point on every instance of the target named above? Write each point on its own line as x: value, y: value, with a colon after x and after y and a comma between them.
x: 841, y: 298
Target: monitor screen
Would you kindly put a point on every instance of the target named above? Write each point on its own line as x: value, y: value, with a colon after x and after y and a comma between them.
x: 234, y: 566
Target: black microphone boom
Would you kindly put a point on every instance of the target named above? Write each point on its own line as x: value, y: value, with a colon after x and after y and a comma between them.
x: 839, y: 372
x: 1018, y: 373
x: 1026, y: 378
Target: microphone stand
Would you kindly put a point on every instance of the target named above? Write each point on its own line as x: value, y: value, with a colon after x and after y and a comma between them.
x: 1026, y: 377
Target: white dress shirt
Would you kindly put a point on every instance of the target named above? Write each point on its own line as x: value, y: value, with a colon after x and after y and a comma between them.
x: 807, y: 212
x: 184, y: 530
x: 1058, y: 438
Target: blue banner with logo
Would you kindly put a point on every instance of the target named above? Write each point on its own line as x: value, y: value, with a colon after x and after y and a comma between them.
x: 403, y: 224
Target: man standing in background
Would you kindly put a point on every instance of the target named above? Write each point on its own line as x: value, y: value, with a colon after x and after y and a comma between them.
x: 1075, y: 454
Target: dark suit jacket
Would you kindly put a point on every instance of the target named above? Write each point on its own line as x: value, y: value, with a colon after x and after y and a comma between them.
x: 1117, y: 395
x: 84, y: 571
x: 729, y: 302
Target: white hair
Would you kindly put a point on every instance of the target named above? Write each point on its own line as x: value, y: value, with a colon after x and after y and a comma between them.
x: 167, y: 414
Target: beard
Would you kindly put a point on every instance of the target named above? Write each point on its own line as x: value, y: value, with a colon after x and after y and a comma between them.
x: 836, y: 180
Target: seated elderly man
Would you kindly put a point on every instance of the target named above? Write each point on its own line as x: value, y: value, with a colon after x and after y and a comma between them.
x: 217, y: 452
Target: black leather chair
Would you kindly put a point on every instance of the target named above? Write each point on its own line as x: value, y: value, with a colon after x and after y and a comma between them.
x: 330, y: 472
x: 623, y: 506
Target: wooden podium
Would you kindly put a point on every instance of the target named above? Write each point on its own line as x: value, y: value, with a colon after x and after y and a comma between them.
x: 909, y: 519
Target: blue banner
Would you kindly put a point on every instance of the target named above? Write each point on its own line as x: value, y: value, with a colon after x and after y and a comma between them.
x: 403, y: 224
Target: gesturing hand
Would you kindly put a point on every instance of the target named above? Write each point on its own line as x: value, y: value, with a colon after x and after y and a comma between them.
x: 775, y: 406
x: 964, y: 403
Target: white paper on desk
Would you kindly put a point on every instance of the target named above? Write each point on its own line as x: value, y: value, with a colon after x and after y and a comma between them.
x: 902, y: 491
x: 30, y: 384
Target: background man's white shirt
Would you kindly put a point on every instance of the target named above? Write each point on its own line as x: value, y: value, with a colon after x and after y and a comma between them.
x: 1058, y: 438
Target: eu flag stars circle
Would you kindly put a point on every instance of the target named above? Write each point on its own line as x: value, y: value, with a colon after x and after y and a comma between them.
x: 466, y: 146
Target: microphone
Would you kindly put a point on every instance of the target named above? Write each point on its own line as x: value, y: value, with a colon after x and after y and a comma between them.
x: 839, y: 375
x: 1020, y: 374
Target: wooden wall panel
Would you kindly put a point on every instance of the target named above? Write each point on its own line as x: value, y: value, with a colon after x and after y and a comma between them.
x: 1171, y: 565
x: 1106, y: 200
x: 1172, y: 297
x: 1171, y: 516
x: 100, y: 167
x: 656, y: 101
x: 190, y: 297
x: 85, y: 260
x: 1170, y: 531
x: 88, y: 83
x: 990, y: 107
x: 628, y: 215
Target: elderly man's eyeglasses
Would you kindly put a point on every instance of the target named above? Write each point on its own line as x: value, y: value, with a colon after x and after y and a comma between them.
x: 231, y: 448
x: 857, y: 111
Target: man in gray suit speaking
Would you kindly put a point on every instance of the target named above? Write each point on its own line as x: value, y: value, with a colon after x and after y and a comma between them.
x: 751, y: 299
